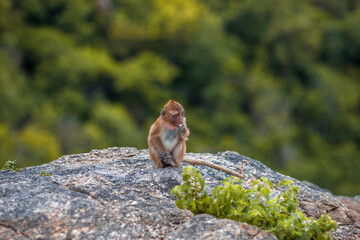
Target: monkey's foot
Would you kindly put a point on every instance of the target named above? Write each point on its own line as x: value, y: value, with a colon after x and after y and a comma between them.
x: 166, y: 158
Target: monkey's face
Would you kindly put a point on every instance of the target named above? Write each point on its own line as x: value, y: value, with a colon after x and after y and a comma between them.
x: 177, y: 117
x: 173, y: 113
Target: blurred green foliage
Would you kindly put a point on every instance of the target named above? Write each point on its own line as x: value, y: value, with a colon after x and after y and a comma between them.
x: 277, y: 80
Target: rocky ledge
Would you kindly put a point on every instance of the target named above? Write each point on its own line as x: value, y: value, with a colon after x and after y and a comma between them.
x: 117, y: 193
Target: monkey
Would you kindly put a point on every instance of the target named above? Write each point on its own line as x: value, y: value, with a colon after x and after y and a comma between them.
x: 166, y: 140
x: 167, y: 136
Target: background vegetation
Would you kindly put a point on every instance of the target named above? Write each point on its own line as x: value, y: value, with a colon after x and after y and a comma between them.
x: 276, y: 80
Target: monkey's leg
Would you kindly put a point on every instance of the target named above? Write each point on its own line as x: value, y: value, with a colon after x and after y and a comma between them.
x: 159, y: 155
x: 178, y: 153
x: 154, y: 154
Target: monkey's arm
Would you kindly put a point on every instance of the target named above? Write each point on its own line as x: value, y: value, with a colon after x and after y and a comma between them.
x: 183, y: 131
x: 215, y: 166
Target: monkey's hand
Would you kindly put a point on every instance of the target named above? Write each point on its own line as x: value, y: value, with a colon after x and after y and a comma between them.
x: 166, y: 158
x: 181, y: 130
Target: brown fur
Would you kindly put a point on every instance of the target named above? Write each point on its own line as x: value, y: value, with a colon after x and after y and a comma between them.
x: 166, y: 141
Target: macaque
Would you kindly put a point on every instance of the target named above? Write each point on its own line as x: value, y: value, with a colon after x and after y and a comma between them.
x: 167, y: 138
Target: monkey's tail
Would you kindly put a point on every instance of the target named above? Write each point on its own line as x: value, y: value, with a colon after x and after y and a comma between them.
x: 212, y: 165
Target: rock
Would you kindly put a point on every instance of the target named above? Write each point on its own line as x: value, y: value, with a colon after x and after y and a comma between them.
x: 352, y: 203
x: 205, y: 226
x: 117, y: 193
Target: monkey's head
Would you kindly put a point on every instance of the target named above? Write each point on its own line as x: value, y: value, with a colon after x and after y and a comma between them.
x: 173, y: 113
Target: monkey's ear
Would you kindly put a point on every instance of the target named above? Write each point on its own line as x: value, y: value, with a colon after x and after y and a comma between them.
x: 163, y: 113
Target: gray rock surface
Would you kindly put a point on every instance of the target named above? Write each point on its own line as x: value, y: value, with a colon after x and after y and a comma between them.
x: 117, y: 193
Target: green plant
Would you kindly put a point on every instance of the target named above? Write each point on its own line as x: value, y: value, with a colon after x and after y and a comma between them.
x: 278, y: 215
x: 43, y: 173
x: 11, y: 165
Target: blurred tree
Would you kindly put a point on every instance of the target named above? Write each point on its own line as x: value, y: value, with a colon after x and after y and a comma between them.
x: 33, y: 143
x: 13, y: 92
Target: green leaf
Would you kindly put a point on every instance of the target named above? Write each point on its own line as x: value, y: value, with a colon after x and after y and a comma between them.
x: 186, y: 177
x: 265, y: 191
x: 278, y: 215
